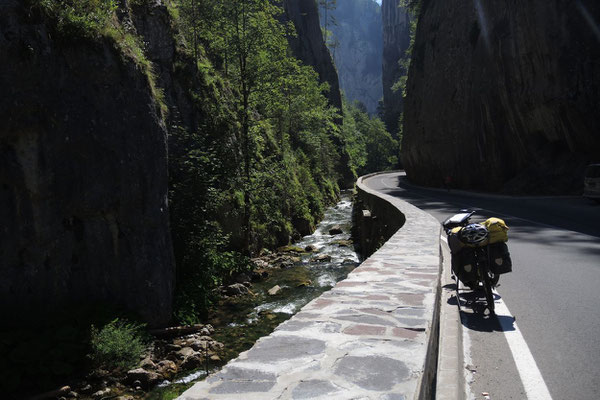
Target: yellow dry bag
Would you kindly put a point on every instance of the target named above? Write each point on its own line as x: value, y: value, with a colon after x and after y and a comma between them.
x: 498, y: 231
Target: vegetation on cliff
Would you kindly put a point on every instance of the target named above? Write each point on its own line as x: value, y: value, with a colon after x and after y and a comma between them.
x: 262, y: 166
x: 256, y: 150
x: 263, y: 152
x: 268, y: 158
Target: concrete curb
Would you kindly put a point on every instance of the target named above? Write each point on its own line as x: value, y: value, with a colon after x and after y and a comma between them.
x: 450, y: 382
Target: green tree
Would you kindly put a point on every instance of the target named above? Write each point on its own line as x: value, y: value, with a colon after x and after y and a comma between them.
x: 263, y: 159
x: 281, y: 108
x: 254, y: 40
x: 370, y: 145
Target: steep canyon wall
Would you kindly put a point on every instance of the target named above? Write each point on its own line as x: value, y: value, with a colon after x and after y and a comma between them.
x: 83, y: 176
x: 356, y: 46
x: 84, y: 158
x: 396, y: 39
x: 308, y: 44
x: 309, y: 47
x: 504, y: 95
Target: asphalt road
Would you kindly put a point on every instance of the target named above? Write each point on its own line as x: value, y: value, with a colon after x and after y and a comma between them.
x: 553, y: 291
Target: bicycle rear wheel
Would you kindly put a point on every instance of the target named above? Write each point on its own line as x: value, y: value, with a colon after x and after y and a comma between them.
x: 489, y: 294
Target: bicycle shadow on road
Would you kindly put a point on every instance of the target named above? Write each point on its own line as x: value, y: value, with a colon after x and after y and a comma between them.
x: 473, y: 313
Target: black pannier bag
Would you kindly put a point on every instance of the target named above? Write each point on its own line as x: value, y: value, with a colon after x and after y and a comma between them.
x: 454, y: 243
x: 463, y: 265
x: 500, y: 262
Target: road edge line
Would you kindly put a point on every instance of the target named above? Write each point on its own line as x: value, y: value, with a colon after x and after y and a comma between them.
x: 531, y: 377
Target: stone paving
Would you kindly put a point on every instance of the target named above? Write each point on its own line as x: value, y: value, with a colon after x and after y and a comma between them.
x: 367, y: 338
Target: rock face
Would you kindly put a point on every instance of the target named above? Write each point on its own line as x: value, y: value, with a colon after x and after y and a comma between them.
x: 396, y: 39
x: 309, y: 47
x: 504, y: 95
x: 83, y: 175
x: 356, y: 29
x: 308, y: 44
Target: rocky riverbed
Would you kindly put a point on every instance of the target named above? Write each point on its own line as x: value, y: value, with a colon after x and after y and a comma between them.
x: 279, y: 285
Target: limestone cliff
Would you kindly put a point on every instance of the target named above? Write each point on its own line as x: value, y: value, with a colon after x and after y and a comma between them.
x: 83, y: 175
x: 504, y: 95
x: 396, y: 39
x: 356, y: 45
x: 308, y: 44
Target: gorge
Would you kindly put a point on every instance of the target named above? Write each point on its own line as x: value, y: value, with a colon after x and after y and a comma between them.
x: 149, y: 150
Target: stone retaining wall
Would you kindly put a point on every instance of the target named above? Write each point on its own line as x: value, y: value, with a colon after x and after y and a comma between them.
x: 373, y: 336
x: 375, y: 219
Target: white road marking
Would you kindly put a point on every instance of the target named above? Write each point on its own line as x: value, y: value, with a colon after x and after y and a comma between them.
x: 531, y: 377
x: 534, y: 384
x: 388, y: 186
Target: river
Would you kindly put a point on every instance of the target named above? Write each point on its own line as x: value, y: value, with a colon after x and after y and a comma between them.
x: 240, y: 322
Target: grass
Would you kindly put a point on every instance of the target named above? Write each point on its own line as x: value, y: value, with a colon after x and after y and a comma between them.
x: 131, y: 48
x: 94, y: 19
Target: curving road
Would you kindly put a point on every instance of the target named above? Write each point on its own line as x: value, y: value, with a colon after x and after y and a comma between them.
x: 552, y: 293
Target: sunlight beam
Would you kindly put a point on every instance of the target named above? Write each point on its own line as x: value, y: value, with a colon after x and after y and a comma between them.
x: 589, y: 19
x: 483, y: 24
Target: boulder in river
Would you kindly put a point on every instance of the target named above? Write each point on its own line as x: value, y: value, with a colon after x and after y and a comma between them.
x: 260, y: 263
x: 185, y: 352
x: 258, y: 275
x: 236, y: 289
x: 146, y: 378
x: 192, y: 361
x: 290, y: 249
x: 274, y: 290
x: 287, y: 263
x: 336, y: 230
x: 148, y: 364
x: 167, y: 368
x: 101, y: 393
x: 343, y: 243
x: 322, y: 258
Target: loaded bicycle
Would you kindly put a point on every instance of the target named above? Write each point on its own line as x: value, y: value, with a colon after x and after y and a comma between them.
x: 479, y: 252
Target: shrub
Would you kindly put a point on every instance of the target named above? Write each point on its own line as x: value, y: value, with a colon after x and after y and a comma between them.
x: 85, y: 18
x: 118, y: 344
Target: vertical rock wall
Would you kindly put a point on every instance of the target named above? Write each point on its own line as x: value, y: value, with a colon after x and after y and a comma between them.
x: 396, y: 39
x: 308, y: 44
x: 356, y: 28
x: 83, y: 176
x: 504, y: 95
